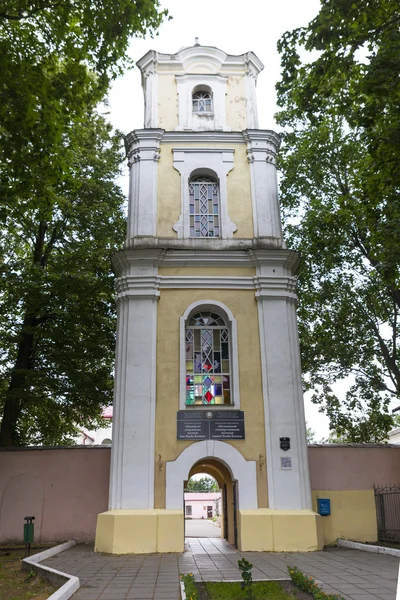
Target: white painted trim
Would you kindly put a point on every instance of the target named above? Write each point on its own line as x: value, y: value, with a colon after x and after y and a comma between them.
x: 222, y: 309
x: 218, y: 160
x: 225, y: 137
x: 70, y: 586
x: 368, y: 547
x: 132, y: 451
x: 242, y: 470
x: 187, y: 119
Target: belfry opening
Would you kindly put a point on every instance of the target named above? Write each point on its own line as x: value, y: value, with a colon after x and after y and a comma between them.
x: 207, y: 371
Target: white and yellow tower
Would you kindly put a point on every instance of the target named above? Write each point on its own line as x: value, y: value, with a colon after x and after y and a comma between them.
x: 208, y: 375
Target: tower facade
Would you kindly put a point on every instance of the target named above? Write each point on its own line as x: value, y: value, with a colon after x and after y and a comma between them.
x: 208, y: 375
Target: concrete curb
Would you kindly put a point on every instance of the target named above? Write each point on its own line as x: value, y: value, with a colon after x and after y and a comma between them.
x: 69, y: 587
x: 368, y: 548
x: 183, y: 593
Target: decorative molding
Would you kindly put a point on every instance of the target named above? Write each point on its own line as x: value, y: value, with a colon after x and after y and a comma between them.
x: 229, y: 137
x: 189, y: 57
x: 266, y: 262
x: 187, y: 119
x: 217, y: 160
x: 232, y: 324
x: 143, y: 150
x: 262, y: 147
x: 242, y: 470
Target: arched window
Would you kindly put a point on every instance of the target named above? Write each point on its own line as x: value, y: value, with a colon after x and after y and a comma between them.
x: 208, y: 368
x: 204, y: 207
x: 202, y: 101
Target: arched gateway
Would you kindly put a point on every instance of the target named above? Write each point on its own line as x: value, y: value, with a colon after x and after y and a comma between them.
x: 207, y: 371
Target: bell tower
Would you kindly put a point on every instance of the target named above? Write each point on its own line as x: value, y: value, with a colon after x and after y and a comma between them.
x: 208, y: 375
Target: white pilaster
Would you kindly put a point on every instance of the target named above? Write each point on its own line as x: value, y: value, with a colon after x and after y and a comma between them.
x: 132, y: 455
x: 262, y: 147
x: 251, y: 106
x: 143, y: 149
x: 288, y: 488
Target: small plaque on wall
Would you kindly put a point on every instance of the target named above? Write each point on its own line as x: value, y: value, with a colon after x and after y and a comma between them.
x: 286, y: 463
x: 210, y: 425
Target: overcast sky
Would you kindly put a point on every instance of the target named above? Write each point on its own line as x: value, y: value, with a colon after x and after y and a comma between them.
x: 235, y: 27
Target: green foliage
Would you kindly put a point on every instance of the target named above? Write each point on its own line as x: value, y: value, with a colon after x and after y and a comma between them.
x: 224, y: 590
x: 190, y: 587
x: 60, y: 211
x: 57, y: 316
x: 311, y: 435
x: 308, y: 584
x: 245, y: 568
x: 203, y: 485
x: 340, y: 166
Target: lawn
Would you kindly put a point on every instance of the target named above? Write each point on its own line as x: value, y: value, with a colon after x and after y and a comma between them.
x: 20, y: 585
x: 262, y: 590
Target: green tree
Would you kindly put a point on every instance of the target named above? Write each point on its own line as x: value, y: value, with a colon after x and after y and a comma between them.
x: 60, y: 210
x: 340, y: 164
x: 57, y: 316
x: 311, y: 435
x: 204, y: 484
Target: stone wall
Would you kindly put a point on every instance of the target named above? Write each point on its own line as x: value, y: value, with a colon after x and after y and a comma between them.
x: 66, y: 488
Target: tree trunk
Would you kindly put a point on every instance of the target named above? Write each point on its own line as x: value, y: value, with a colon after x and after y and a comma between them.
x: 19, y: 384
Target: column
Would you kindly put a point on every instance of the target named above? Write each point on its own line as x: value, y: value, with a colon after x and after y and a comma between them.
x: 287, y: 470
x: 262, y: 147
x: 143, y: 149
x: 132, y: 455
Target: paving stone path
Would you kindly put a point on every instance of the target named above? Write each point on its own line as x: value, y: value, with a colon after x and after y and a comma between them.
x: 353, y: 574
x: 201, y: 528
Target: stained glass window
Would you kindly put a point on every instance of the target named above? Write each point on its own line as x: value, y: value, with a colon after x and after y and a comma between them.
x: 204, y: 207
x: 208, y: 378
x: 202, y: 102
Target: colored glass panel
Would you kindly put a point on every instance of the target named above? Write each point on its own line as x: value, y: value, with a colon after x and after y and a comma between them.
x: 208, y: 397
x: 207, y: 360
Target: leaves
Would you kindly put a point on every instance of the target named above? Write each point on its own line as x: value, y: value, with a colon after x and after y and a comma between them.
x: 61, y: 212
x: 340, y: 199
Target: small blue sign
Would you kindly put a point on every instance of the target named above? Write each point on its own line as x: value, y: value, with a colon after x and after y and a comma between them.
x: 324, y: 506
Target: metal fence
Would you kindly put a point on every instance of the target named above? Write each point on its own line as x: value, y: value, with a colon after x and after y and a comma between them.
x: 387, y: 501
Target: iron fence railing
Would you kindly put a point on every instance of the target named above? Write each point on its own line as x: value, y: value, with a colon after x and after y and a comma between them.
x: 387, y: 501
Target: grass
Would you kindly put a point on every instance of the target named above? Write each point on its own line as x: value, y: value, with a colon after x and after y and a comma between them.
x: 262, y: 590
x: 20, y: 585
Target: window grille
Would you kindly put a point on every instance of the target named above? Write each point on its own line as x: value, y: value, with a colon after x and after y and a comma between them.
x: 204, y: 207
x: 208, y: 377
x: 202, y: 102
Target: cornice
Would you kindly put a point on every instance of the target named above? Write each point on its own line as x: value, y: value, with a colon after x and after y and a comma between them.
x: 190, y: 56
x: 209, y: 244
x: 229, y: 137
x: 262, y: 135
x: 261, y: 259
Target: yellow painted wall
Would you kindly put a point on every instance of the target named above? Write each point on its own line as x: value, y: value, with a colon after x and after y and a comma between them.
x: 266, y: 530
x: 353, y: 515
x: 240, y: 208
x: 238, y: 190
x: 167, y: 102
x: 236, y: 104
x: 171, y: 306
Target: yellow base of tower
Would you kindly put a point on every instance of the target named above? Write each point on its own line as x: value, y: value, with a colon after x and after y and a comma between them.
x: 266, y: 530
x: 140, y: 531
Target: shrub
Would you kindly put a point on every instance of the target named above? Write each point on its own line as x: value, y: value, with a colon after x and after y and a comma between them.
x: 308, y: 584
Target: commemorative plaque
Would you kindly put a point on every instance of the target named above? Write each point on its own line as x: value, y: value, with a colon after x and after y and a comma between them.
x: 210, y: 425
